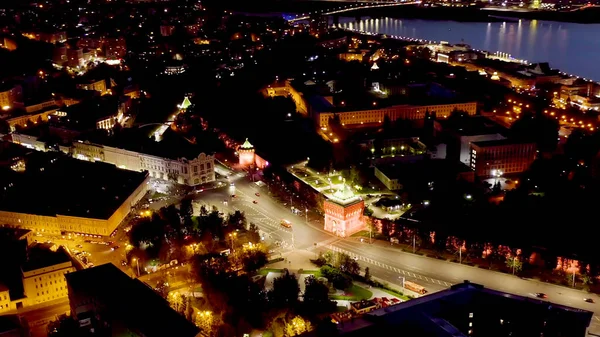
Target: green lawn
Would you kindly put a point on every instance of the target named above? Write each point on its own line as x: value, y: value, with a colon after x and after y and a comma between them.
x: 315, y: 273
x: 396, y: 294
x: 355, y: 293
x: 265, y: 271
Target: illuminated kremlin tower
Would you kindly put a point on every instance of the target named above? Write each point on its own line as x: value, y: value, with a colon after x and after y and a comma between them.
x: 246, y: 154
x: 344, y: 212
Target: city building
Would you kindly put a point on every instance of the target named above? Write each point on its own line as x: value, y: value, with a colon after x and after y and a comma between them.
x: 395, y: 176
x: 495, y: 158
x: 48, y: 36
x: 114, y: 48
x: 94, y: 197
x: 44, y: 274
x: 104, y: 296
x: 344, y: 212
x: 469, y: 309
x: 93, y: 84
x: 4, y: 301
x: 322, y: 110
x: 9, y: 95
x: 459, y: 133
x: 193, y: 169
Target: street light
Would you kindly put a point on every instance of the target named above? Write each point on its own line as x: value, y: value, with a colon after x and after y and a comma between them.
x: 137, y: 262
x: 232, y: 237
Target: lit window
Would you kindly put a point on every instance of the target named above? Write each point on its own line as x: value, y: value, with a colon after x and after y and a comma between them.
x: 470, y: 315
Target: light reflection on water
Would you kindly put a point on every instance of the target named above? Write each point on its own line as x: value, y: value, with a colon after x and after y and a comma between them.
x: 571, y: 47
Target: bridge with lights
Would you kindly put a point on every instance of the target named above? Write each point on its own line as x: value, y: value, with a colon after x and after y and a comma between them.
x: 353, y: 7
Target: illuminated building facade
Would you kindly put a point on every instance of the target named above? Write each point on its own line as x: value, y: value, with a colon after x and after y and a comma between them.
x: 246, y: 154
x: 493, y: 157
x: 376, y: 116
x: 344, y: 213
x: 44, y: 278
x: 9, y: 95
x: 248, y: 157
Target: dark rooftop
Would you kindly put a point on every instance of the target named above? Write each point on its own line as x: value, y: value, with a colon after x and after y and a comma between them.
x: 469, y: 309
x: 472, y: 126
x: 12, y: 234
x: 431, y: 169
x: 53, y: 184
x: 41, y: 256
x: 500, y: 142
x: 9, y: 323
x: 171, y: 146
x: 151, y: 314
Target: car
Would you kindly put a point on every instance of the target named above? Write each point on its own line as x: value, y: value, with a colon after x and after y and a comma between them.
x: 79, y: 246
x: 233, y: 195
x: 257, y: 194
x: 254, y: 202
x: 114, y: 248
x: 589, y: 300
x: 541, y: 295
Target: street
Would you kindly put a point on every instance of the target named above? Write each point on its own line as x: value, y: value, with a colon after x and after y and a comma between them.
x: 384, y: 260
x: 391, y: 264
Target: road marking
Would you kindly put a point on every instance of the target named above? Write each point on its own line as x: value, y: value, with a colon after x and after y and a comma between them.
x: 385, y: 266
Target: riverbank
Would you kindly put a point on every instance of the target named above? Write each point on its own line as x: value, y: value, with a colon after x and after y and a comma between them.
x: 459, y: 14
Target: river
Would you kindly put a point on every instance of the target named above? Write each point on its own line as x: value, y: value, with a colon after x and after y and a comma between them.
x: 573, y: 48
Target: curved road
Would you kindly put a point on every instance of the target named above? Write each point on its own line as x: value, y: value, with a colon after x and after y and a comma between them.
x: 391, y: 264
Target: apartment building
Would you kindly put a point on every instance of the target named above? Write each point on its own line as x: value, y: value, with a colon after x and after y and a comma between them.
x: 44, y: 274
x: 500, y: 157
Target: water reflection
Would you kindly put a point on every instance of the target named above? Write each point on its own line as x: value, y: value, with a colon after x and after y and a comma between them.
x: 568, y: 46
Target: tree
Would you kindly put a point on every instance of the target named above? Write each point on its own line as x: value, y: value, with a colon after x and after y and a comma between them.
x: 186, y: 211
x: 237, y: 220
x: 367, y: 274
x: 514, y: 263
x: 353, y: 176
x: 316, y: 297
x: 253, y: 233
x: 285, y: 290
x: 336, y: 277
x: 252, y: 258
x: 297, y: 326
x: 348, y: 264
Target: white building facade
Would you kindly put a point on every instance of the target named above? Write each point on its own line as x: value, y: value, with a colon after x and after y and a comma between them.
x: 183, y: 171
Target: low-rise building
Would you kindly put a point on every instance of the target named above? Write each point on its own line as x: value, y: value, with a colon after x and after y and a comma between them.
x: 396, y: 176
x: 44, y: 274
x: 93, y: 84
x: 494, y: 158
x: 9, y: 95
x: 322, y: 113
x: 4, y: 300
x: 97, y: 295
x: 94, y: 197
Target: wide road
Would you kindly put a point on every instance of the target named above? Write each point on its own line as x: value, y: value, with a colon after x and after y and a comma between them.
x: 384, y: 260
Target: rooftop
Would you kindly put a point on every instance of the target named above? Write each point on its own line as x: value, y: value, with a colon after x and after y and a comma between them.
x: 153, y: 316
x: 344, y: 195
x: 171, y: 146
x: 247, y: 145
x: 500, y: 142
x: 42, y: 256
x: 12, y: 234
x: 472, y: 126
x: 466, y: 308
x: 55, y: 184
x: 429, y: 169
